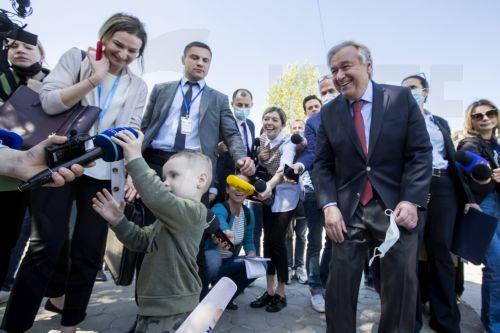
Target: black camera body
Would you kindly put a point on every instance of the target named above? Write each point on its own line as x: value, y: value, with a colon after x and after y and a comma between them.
x: 57, y: 154
x: 9, y: 29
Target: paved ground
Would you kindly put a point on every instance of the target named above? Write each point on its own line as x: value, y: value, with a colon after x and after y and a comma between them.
x: 112, y: 310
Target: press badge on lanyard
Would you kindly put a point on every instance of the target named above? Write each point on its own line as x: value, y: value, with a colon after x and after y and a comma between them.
x: 186, y: 124
x: 105, y: 107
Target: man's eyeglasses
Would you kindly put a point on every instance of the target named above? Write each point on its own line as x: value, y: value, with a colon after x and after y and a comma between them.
x: 490, y: 114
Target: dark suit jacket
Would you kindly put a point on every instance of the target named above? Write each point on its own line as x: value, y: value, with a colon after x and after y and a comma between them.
x: 216, y: 120
x: 399, y: 160
x: 225, y: 164
x: 310, y: 132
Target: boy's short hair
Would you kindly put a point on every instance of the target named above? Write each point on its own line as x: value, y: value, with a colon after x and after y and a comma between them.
x: 199, y: 161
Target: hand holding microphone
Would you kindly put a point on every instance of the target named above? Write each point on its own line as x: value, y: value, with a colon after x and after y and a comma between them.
x: 105, y: 147
x: 260, y: 187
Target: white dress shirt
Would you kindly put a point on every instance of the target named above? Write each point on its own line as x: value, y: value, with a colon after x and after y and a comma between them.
x: 165, y: 139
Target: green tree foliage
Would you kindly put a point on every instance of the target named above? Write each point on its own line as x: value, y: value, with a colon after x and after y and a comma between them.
x: 296, y: 82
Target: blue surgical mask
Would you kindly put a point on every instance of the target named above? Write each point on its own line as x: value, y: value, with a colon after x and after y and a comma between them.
x: 418, y: 94
x: 241, y: 113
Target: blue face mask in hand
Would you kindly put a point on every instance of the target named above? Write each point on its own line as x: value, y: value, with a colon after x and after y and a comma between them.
x: 418, y: 94
x: 241, y: 113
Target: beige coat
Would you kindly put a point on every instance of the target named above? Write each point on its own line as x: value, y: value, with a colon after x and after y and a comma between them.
x: 65, y: 74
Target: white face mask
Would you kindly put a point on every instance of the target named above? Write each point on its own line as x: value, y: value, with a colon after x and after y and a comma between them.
x: 328, y: 97
x: 391, y: 237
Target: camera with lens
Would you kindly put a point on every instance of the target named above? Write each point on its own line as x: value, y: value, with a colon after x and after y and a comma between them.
x: 9, y: 29
x: 57, y: 154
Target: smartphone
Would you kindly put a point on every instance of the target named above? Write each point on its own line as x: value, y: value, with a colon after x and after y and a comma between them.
x: 98, y: 52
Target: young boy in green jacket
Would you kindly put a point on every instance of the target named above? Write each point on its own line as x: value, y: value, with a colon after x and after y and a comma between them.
x: 168, y: 286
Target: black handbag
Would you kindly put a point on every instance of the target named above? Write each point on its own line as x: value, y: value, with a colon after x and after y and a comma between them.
x: 120, y: 260
x: 472, y: 235
x: 23, y: 114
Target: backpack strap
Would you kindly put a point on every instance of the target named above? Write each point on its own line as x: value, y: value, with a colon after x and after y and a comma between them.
x: 228, y: 209
x: 246, y: 211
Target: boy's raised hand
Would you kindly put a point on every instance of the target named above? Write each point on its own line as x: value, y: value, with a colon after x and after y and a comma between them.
x: 130, y: 144
x: 104, y: 204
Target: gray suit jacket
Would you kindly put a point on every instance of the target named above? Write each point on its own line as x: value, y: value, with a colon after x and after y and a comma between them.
x: 216, y: 119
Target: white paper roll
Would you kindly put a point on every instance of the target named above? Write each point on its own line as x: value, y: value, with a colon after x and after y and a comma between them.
x: 207, y: 313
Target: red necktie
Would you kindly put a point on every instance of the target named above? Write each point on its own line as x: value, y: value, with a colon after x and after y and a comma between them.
x: 359, y: 125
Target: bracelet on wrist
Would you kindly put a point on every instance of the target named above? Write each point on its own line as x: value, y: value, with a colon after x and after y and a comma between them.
x: 91, y: 83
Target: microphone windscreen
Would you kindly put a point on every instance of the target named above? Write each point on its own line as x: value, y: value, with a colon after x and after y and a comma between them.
x: 463, y: 157
x: 11, y: 139
x: 239, y: 184
x: 296, y: 139
x: 111, y: 151
x: 481, y: 172
x: 260, y: 186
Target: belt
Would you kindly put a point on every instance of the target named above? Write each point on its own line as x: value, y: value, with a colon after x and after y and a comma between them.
x: 439, y: 172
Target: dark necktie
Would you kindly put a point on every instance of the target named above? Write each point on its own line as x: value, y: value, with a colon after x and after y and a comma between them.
x: 245, y: 135
x: 359, y: 125
x: 180, y: 138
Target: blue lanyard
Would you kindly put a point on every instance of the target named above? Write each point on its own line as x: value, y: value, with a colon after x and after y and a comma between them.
x: 107, y: 103
x: 188, y: 106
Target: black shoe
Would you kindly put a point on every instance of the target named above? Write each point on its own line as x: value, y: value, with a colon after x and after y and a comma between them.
x: 52, y: 308
x: 277, y: 304
x: 232, y: 306
x: 262, y: 300
x: 101, y: 277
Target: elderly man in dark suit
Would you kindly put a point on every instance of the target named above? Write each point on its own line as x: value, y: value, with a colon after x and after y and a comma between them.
x: 373, y: 153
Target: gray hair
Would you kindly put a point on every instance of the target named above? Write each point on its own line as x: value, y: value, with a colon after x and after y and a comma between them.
x: 364, y: 54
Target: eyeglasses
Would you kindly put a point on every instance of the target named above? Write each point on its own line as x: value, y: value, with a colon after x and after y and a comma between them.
x: 490, y: 114
x: 325, y: 77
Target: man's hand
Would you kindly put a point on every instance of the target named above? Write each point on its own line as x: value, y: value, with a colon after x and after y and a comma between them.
x: 251, y: 254
x: 222, y: 148
x: 496, y: 175
x: 130, y: 191
x: 406, y: 215
x: 130, y: 144
x: 471, y: 205
x: 104, y: 204
x: 246, y: 166
x: 298, y: 169
x: 29, y: 163
x: 334, y: 224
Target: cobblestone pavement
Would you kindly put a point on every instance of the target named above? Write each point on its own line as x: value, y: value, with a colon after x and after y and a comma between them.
x: 112, y: 310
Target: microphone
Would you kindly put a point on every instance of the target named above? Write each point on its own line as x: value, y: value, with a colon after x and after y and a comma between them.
x: 296, y: 139
x: 212, y: 227
x: 11, y: 139
x: 474, y: 165
x: 256, y: 142
x: 244, y: 187
x: 260, y: 186
x: 104, y: 148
